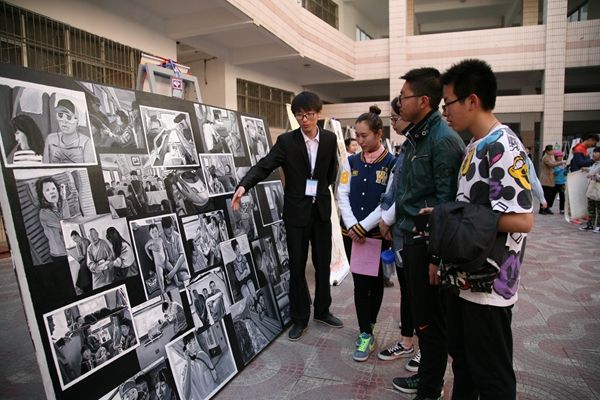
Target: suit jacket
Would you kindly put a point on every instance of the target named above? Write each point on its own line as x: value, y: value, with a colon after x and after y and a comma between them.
x: 290, y: 153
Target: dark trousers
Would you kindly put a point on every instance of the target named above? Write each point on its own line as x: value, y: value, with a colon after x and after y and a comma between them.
x: 428, y: 319
x: 368, y: 293
x: 549, y: 194
x: 560, y: 189
x: 481, y: 347
x: 407, y: 329
x: 593, y: 212
x: 318, y: 234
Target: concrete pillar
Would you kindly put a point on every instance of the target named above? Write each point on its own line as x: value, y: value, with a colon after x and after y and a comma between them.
x: 398, y: 31
x: 530, y: 12
x: 555, y: 18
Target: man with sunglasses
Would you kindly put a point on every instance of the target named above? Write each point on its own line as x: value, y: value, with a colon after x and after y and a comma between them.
x: 308, y: 157
x: 68, y: 146
x: 428, y: 177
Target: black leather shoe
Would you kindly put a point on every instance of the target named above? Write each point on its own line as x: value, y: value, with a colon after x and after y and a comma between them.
x: 329, y: 320
x: 296, y: 332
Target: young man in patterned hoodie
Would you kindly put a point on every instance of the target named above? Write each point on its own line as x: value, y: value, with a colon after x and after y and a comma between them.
x: 493, y: 173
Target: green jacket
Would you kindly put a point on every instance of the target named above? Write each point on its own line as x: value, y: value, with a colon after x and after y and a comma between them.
x: 430, y: 170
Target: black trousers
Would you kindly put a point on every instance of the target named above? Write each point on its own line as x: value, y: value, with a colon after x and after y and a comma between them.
x: 428, y: 319
x: 480, y: 344
x: 368, y: 292
x: 318, y: 234
x: 549, y: 194
x: 407, y: 329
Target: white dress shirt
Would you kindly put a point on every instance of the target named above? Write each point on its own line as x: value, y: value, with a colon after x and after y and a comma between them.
x: 312, y: 146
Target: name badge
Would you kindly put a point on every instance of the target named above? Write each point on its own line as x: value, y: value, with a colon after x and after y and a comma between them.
x: 311, y: 187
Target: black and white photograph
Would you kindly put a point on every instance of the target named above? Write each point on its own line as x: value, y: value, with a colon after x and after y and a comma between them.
x: 242, y: 220
x: 281, y: 244
x: 152, y: 383
x: 263, y: 251
x: 203, y: 233
x: 99, y: 250
x: 187, y: 191
x: 115, y: 118
x: 159, y: 249
x: 46, y: 197
x: 270, y: 201
x: 239, y: 266
x: 44, y: 126
x: 209, y: 298
x: 170, y: 137
x: 202, y: 362
x: 256, y: 137
x: 90, y: 334
x: 255, y: 322
x: 219, y: 173
x: 220, y: 131
x: 158, y: 321
x: 240, y: 172
x: 134, y: 189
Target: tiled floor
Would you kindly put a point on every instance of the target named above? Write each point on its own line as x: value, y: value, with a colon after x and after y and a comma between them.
x: 556, y: 325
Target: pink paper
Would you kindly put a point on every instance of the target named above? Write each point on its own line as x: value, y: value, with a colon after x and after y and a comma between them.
x: 364, y: 259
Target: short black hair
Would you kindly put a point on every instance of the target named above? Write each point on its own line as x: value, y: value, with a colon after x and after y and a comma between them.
x: 473, y: 76
x: 425, y: 82
x: 166, y: 222
x: 596, y: 149
x: 75, y: 233
x: 307, y: 101
x: 348, y: 141
x: 180, y: 117
x: 394, y: 105
x: 589, y: 136
x: 234, y: 244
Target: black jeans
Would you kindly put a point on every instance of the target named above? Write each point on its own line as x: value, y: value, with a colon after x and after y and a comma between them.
x: 407, y: 329
x: 481, y: 347
x: 549, y: 194
x: 428, y: 319
x: 318, y: 233
x: 368, y: 293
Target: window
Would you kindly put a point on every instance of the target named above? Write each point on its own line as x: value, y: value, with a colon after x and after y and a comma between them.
x: 327, y: 10
x: 579, y: 14
x: 265, y: 101
x: 37, y: 42
x: 362, y: 35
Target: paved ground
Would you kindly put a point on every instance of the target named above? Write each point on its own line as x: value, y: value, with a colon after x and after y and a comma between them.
x: 556, y: 336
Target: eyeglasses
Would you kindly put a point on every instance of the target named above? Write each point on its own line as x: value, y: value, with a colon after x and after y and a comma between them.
x: 400, y: 98
x: 445, y: 105
x: 308, y: 116
x: 62, y: 115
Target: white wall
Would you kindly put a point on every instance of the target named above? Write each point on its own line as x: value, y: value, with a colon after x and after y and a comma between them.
x: 104, y: 20
x: 212, y: 81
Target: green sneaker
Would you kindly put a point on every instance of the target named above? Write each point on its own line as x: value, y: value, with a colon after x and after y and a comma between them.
x: 364, y: 348
x: 357, y: 341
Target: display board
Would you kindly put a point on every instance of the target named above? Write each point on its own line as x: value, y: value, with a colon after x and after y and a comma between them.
x: 138, y: 278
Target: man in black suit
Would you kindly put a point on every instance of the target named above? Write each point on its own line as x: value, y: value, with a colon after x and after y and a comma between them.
x: 308, y: 157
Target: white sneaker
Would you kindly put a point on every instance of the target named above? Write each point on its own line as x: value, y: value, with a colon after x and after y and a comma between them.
x: 397, y: 350
x: 596, y: 229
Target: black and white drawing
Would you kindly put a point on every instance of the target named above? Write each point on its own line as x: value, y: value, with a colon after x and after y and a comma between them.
x: 255, y: 322
x: 132, y: 187
x: 203, y: 233
x: 48, y: 196
x: 99, y: 251
x: 220, y: 130
x: 202, y: 362
x: 219, y: 172
x: 209, y: 298
x: 263, y: 251
x: 241, y: 273
x: 115, y: 118
x: 44, y: 126
x: 270, y: 201
x: 242, y: 220
x: 281, y: 245
x: 158, y: 321
x: 152, y: 383
x: 170, y: 137
x: 187, y: 191
x: 90, y: 334
x: 161, y: 255
x: 256, y: 137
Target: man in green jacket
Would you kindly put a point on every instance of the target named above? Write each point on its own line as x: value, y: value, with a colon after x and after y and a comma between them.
x: 428, y: 178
